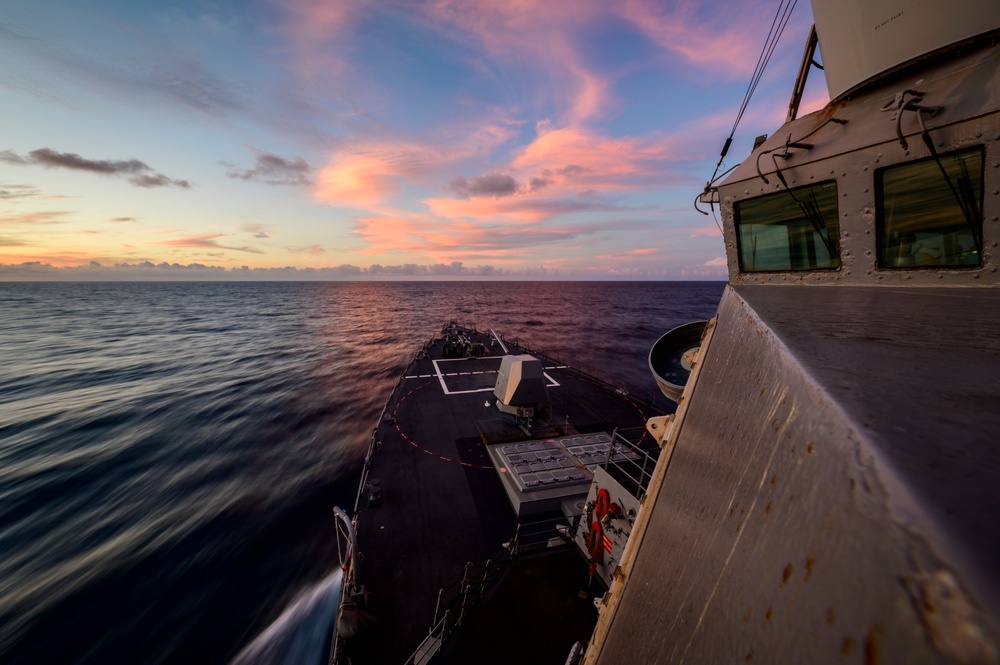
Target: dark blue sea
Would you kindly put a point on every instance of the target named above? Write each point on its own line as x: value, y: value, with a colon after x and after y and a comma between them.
x: 170, y: 452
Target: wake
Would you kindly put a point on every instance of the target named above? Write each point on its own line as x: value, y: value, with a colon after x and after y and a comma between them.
x: 301, y: 635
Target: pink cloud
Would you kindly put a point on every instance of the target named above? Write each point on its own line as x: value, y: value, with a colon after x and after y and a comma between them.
x: 706, y: 37
x: 814, y: 100
x: 318, y: 35
x: 578, y: 156
x: 541, y: 33
x: 461, y: 240
x: 727, y: 42
x: 205, y: 240
x: 640, y: 252
x: 522, y: 209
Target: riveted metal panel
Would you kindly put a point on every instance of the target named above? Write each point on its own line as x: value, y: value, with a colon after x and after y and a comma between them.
x: 967, y: 92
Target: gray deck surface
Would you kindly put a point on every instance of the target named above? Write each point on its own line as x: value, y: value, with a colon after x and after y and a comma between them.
x: 918, y: 370
x: 440, y: 510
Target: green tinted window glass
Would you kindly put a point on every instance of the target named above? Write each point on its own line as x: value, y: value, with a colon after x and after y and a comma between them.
x: 930, y: 212
x: 791, y: 230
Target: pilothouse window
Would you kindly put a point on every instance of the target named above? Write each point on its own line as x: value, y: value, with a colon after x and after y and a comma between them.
x: 790, y: 230
x: 930, y: 212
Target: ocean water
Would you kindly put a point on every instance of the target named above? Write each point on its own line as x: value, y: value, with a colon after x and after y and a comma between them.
x: 170, y: 452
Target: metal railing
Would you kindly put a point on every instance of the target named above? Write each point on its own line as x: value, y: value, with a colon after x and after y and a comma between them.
x: 633, y: 464
x: 465, y: 596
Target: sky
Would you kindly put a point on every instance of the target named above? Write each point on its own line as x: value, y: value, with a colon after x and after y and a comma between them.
x: 347, y: 139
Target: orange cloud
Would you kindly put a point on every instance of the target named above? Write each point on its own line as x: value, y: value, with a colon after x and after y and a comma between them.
x: 431, y: 237
x: 367, y: 174
x: 450, y: 240
x: 60, y: 259
x: 574, y: 155
x: 357, y: 180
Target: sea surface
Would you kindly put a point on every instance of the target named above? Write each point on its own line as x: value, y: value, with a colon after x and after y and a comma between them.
x: 170, y: 452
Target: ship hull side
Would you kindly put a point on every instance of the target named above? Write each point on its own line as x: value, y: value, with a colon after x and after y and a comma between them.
x: 780, y: 534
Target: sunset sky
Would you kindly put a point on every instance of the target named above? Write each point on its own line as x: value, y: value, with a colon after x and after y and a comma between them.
x: 376, y: 139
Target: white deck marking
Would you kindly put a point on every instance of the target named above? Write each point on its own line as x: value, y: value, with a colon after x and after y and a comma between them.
x: 552, y: 383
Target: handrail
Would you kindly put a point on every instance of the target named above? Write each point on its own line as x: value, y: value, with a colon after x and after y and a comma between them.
x: 539, y: 534
x: 640, y: 470
x: 456, y: 608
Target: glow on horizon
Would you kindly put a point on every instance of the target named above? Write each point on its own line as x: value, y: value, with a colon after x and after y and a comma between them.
x: 327, y: 140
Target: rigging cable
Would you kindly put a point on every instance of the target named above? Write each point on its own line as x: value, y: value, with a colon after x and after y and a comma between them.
x: 778, y: 24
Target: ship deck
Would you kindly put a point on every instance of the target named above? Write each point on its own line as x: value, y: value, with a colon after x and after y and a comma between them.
x: 443, y: 506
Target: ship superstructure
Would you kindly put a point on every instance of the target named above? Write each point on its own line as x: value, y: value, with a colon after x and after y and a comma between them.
x: 833, y: 477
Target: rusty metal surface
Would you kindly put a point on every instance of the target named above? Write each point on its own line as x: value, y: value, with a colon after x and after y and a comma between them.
x: 796, y: 521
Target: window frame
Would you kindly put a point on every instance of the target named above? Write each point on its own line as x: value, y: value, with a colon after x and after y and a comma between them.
x: 880, y: 214
x: 834, y: 238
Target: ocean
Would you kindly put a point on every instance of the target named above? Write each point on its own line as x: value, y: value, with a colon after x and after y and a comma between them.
x: 170, y: 452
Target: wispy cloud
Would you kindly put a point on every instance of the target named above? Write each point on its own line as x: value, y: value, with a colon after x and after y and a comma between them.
x: 207, y: 240
x: 640, y: 252
x: 9, y: 218
x: 9, y: 192
x: 122, y: 220
x: 457, y: 239
x: 137, y: 172
x: 313, y: 250
x: 708, y: 230
x: 257, y: 230
x: 271, y: 169
x: 718, y: 41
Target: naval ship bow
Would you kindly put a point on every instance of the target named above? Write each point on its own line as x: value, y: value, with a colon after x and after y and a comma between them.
x: 496, y: 498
